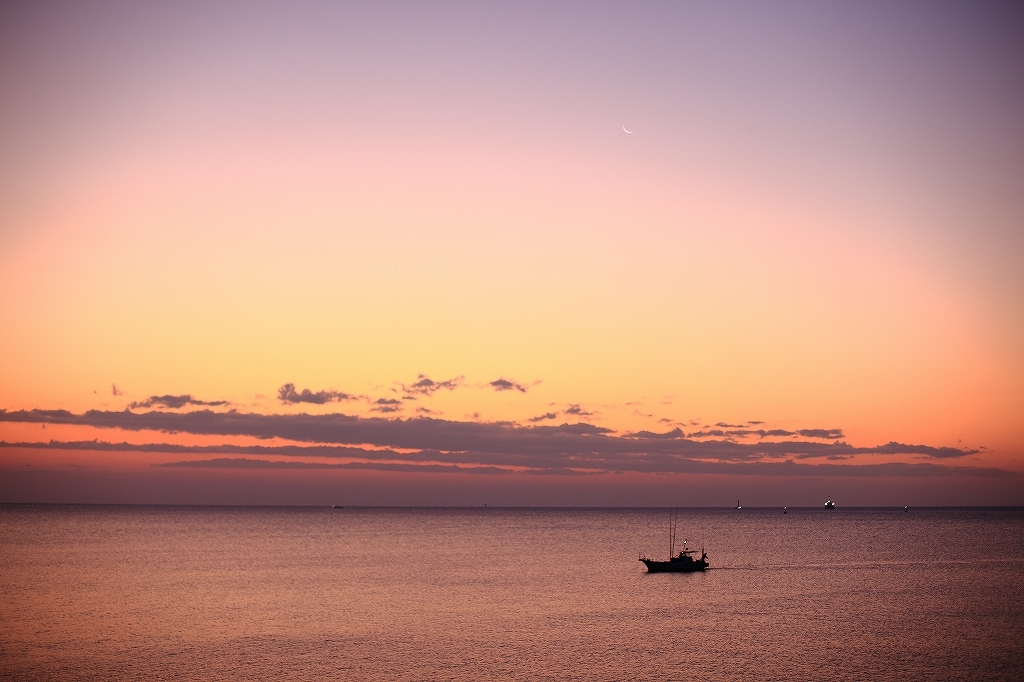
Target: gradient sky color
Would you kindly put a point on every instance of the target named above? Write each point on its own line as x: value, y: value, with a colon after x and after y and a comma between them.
x: 814, y: 235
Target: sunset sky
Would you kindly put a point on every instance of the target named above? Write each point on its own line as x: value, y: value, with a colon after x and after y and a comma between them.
x: 387, y: 253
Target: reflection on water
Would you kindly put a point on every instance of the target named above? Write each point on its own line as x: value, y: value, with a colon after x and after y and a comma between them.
x: 196, y: 593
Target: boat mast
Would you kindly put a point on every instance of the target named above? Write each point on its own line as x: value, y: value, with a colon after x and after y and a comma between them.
x: 671, y: 531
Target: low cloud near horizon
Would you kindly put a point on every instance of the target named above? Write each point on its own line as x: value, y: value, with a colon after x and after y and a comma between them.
x: 541, y: 448
x: 436, y: 461
x: 174, y: 402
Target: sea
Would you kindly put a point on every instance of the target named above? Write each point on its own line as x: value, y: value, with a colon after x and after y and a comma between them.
x: 274, y: 593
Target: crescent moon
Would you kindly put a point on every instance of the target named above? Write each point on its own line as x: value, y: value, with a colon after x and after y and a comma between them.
x: 626, y: 131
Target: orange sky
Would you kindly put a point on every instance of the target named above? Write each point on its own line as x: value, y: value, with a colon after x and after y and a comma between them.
x: 816, y: 224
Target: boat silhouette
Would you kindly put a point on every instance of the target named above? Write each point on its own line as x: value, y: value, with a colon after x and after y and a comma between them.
x: 683, y: 562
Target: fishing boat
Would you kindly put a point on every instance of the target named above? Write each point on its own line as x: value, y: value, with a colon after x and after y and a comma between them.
x: 829, y: 504
x: 683, y: 562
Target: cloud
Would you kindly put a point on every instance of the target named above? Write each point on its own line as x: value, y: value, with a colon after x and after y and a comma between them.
x: 288, y: 394
x: 888, y: 469
x: 246, y: 463
x: 386, y: 405
x: 578, y: 446
x: 828, y: 434
x: 760, y: 433
x: 424, y: 385
x: 174, y: 402
x: 578, y: 411
x: 506, y: 385
x: 171, y: 448
x: 740, y: 433
x: 545, y: 416
x: 114, y: 390
x: 674, y: 433
x: 723, y: 425
x: 892, y: 448
x: 474, y: 462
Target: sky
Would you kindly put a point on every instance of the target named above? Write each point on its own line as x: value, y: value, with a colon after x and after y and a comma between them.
x: 544, y: 254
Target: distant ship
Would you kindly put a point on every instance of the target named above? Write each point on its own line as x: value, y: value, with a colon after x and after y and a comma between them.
x: 738, y: 505
x: 829, y: 504
x: 677, y: 563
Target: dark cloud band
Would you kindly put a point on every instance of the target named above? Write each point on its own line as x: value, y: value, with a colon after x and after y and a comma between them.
x: 475, y: 462
x: 566, y: 445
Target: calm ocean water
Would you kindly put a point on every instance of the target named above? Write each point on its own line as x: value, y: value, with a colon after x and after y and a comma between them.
x: 200, y: 593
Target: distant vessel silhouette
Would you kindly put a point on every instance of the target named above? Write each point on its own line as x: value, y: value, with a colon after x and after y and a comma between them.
x: 738, y: 505
x: 682, y: 562
x: 829, y: 504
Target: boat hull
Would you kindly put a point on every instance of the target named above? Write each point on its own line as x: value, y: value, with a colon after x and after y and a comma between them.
x: 674, y: 566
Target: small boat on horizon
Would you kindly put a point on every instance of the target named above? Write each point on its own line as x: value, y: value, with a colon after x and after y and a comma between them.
x: 829, y: 504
